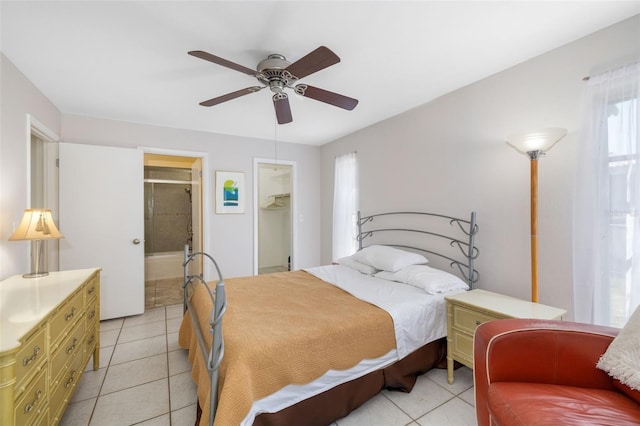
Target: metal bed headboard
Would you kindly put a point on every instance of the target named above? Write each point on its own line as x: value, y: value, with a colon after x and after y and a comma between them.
x: 219, y: 299
x: 466, y: 229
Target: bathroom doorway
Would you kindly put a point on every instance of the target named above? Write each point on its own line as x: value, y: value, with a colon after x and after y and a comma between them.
x: 274, y: 212
x: 172, y: 220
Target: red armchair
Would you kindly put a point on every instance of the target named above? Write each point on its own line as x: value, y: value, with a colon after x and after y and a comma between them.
x: 535, y: 372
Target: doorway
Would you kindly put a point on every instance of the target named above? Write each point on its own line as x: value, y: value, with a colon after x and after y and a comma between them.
x: 274, y: 211
x: 172, y: 220
x: 42, y: 149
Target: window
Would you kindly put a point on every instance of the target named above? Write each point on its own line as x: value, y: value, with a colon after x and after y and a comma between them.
x: 345, y: 206
x: 622, y: 134
x: 606, y: 233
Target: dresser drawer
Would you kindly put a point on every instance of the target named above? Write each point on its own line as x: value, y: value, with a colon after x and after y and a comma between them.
x: 90, y: 342
x: 467, y: 319
x: 463, y: 348
x: 92, y: 312
x: 92, y: 288
x: 72, y: 345
x: 67, y: 316
x: 62, y: 389
x: 30, y: 406
x: 30, y: 359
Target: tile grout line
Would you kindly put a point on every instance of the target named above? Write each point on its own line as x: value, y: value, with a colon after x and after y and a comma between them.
x: 166, y: 342
x: 105, y: 373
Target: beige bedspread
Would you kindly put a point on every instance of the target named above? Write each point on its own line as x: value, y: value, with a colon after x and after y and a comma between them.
x: 279, y: 329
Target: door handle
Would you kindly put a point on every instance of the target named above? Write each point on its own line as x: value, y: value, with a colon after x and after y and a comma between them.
x: 136, y: 241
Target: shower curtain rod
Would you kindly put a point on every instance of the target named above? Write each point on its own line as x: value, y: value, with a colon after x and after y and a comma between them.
x: 178, y: 182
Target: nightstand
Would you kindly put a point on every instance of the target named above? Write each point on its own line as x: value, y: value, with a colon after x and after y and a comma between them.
x: 465, y: 311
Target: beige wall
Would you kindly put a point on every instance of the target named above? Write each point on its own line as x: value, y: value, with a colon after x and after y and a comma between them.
x: 18, y: 97
x: 230, y: 237
x: 449, y: 156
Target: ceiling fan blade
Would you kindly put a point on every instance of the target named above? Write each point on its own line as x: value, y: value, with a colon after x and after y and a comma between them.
x: 220, y: 61
x: 229, y: 96
x: 326, y: 96
x: 283, y: 110
x: 320, y: 58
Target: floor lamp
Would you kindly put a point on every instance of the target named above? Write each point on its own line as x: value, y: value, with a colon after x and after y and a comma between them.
x: 534, y: 145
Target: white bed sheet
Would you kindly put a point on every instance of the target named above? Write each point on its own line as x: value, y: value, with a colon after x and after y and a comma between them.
x: 415, y: 324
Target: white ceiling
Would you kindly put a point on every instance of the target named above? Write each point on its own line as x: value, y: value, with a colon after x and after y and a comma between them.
x: 127, y: 60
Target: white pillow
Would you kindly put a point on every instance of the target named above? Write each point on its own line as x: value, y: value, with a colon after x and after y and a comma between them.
x: 431, y: 280
x: 622, y: 358
x: 388, y: 258
x: 358, y: 266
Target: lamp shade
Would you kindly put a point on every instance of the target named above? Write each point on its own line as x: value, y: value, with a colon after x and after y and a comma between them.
x: 539, y: 140
x: 36, y: 224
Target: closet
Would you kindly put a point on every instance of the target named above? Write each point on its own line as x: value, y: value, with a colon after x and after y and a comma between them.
x: 274, y: 218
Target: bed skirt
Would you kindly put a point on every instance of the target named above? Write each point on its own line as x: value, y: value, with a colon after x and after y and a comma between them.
x: 331, y: 405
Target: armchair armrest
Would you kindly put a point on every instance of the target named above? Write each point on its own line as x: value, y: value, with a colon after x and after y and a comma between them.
x: 538, y: 351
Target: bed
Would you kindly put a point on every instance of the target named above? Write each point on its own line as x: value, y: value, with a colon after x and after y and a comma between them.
x: 309, y: 346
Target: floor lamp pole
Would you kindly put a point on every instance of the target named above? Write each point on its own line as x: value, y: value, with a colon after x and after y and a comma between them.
x: 534, y: 144
x: 534, y: 155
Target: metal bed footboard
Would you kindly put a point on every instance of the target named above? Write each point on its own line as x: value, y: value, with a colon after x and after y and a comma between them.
x: 459, y: 229
x: 219, y: 299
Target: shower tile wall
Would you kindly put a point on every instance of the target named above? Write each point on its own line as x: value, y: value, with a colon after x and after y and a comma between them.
x: 167, y: 210
x: 170, y: 218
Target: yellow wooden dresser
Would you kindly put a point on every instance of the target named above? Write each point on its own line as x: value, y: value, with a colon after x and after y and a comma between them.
x: 466, y: 311
x: 49, y: 329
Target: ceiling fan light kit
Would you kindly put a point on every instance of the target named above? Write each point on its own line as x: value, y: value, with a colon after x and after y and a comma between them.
x: 278, y: 74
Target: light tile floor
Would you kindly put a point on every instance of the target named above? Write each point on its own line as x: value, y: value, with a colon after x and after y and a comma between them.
x: 272, y: 269
x: 144, y: 379
x: 162, y: 292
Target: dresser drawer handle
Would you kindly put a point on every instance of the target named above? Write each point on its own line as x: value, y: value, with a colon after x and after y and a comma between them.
x: 70, y: 315
x: 29, y: 407
x: 71, y: 379
x: 91, y: 291
x: 29, y: 359
x: 73, y: 346
x: 478, y: 322
x: 92, y: 314
x: 91, y: 340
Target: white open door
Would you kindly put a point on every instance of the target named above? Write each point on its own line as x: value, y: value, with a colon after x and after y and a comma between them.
x: 101, y: 218
x: 196, y: 215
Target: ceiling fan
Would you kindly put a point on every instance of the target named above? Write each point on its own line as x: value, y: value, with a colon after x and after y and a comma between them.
x: 278, y: 74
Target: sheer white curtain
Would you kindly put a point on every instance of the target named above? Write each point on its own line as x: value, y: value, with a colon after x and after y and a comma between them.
x: 606, y: 234
x: 345, y: 206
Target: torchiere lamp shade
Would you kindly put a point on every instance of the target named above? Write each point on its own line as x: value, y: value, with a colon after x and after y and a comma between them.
x: 540, y: 140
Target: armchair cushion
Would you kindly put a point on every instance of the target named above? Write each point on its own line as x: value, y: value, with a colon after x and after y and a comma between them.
x: 544, y: 404
x: 526, y: 371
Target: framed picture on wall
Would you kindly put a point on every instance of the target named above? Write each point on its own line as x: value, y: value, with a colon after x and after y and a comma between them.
x: 230, y: 191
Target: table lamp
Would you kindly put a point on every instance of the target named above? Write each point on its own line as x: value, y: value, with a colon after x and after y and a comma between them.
x: 37, y: 225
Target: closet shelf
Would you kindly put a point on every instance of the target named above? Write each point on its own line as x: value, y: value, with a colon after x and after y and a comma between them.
x: 277, y: 204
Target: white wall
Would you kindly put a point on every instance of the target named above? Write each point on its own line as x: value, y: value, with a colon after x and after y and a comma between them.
x: 18, y: 97
x: 230, y: 236
x: 450, y: 157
